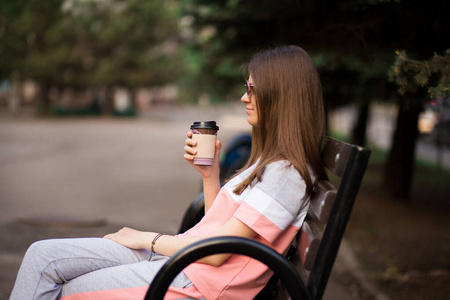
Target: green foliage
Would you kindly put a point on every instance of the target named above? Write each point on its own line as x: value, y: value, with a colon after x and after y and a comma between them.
x: 78, y: 44
x: 349, y: 78
x: 352, y: 41
x: 123, y: 42
x: 411, y: 74
x: 23, y: 25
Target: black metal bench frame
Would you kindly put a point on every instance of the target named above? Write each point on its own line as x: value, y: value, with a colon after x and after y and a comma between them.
x: 305, y: 271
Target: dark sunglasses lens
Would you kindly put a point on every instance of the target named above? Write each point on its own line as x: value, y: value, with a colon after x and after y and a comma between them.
x: 248, y: 88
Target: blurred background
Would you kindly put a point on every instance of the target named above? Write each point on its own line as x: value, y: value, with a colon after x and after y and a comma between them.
x: 96, y: 97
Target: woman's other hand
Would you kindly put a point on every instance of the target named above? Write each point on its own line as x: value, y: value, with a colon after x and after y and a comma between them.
x: 131, y: 238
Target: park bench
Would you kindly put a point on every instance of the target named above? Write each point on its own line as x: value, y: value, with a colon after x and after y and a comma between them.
x: 305, y: 270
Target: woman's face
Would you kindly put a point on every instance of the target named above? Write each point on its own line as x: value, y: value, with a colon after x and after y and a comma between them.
x: 250, y: 100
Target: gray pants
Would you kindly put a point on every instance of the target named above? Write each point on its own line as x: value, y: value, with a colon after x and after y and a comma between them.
x: 61, y: 267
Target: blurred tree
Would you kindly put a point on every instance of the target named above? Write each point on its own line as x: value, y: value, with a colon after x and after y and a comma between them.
x: 424, y: 30
x: 412, y: 74
x: 12, y: 44
x: 24, y: 49
x: 342, y: 36
x: 125, y: 43
x: 96, y: 43
x: 417, y: 81
x: 352, y: 42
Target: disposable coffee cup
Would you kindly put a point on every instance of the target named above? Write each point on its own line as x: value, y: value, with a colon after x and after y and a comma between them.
x: 205, y: 134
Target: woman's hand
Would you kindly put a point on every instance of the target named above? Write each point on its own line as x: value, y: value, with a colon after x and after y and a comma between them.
x: 131, y: 238
x: 205, y: 171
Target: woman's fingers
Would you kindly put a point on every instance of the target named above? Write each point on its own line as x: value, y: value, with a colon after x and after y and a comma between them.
x: 191, y: 142
x: 218, y: 146
x: 190, y: 150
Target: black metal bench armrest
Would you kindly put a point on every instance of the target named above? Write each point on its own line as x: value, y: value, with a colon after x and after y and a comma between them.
x: 280, y: 265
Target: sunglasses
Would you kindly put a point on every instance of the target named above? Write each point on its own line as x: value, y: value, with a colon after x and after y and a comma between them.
x: 248, y: 86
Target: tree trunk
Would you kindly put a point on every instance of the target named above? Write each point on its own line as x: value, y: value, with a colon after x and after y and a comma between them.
x: 108, y: 104
x: 400, y: 164
x: 15, y: 95
x: 43, y: 99
x: 360, y: 126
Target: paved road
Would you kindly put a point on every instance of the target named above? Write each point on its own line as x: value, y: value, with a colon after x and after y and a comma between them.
x: 130, y: 172
x: 124, y: 172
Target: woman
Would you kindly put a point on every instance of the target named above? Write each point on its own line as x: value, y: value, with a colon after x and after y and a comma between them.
x: 266, y: 201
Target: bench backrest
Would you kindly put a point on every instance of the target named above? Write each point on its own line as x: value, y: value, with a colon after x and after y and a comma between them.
x: 319, y: 239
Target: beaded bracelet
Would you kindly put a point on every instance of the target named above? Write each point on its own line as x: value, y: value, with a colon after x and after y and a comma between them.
x: 154, y: 240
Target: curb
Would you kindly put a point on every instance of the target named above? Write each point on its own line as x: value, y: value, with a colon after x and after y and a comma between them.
x: 351, y: 263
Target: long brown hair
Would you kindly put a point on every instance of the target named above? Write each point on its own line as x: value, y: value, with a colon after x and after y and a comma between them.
x: 291, y: 119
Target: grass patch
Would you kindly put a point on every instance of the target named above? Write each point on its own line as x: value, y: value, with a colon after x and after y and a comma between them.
x: 339, y: 136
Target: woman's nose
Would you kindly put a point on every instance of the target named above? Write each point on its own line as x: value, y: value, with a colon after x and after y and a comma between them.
x: 245, y: 98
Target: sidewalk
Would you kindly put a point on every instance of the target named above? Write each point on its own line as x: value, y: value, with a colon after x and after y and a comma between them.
x: 90, y: 177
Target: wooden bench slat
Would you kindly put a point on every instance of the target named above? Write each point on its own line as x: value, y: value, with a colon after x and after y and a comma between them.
x: 308, y: 243
x: 322, y: 201
x: 335, y: 156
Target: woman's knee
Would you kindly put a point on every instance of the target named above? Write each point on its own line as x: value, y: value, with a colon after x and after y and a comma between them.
x: 40, y: 250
